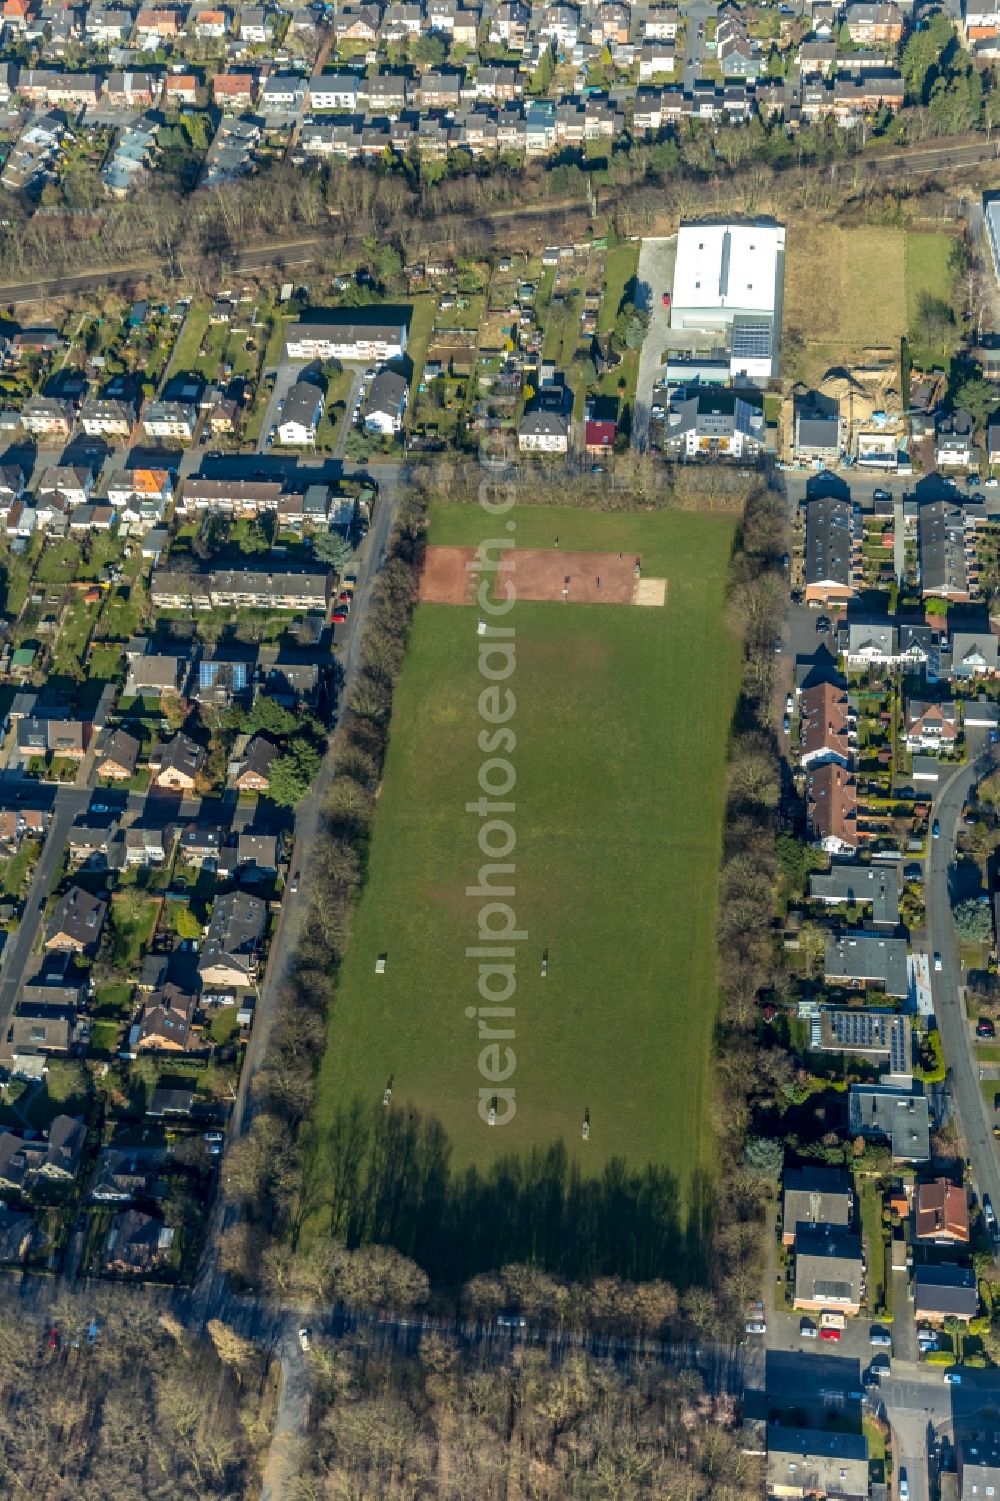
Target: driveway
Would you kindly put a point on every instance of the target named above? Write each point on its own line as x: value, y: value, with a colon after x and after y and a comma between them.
x: 287, y: 374
x: 654, y: 277
x: 698, y: 13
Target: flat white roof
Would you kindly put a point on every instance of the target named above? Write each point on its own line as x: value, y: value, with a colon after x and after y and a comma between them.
x: 728, y: 266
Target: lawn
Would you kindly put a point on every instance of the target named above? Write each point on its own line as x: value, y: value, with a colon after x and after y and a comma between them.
x: 622, y: 724
x: 871, y: 1225
x: 620, y: 268
x: 419, y: 336
x: 927, y: 270
x: 185, y: 355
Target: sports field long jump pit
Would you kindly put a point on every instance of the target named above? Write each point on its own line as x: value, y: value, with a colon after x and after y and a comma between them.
x: 543, y: 574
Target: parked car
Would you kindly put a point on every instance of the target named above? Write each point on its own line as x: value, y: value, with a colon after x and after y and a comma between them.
x: 807, y: 1329
x: 823, y: 625
x: 904, y: 1486
x: 936, y: 829
x: 831, y: 1334
x: 937, y: 960
x: 953, y: 1378
x: 756, y: 1326
x: 789, y: 703
x: 305, y: 1339
x: 786, y: 725
x: 985, y: 1028
x: 666, y: 299
x: 881, y: 1339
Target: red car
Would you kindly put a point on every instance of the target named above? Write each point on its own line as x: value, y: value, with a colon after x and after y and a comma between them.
x: 345, y: 598
x: 985, y: 1028
x: 53, y: 1339
x: 339, y: 617
x: 666, y: 299
x: 833, y: 1334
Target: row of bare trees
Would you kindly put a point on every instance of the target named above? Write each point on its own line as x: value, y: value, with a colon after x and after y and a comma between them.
x: 747, y: 1072
x: 469, y: 1423
x: 272, y: 1168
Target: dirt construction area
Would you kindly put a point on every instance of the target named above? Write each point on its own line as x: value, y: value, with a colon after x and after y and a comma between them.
x: 594, y: 578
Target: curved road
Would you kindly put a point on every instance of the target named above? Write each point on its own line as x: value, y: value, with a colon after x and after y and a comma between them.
x: 949, y: 1006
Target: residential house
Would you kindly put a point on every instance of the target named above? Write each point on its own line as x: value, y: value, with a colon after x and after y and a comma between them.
x: 64, y: 1149
x: 67, y: 739
x: 91, y: 836
x: 145, y: 846
x: 201, y: 844
x: 815, y: 1463
x: 832, y: 797
x: 955, y: 440
x: 851, y: 884
x: 76, y: 922
x: 386, y: 403
x: 884, y: 1112
x: 255, y: 771
x: 817, y: 436
x: 257, y: 851
x: 979, y: 1467
x: 175, y: 420
x: 944, y: 1292
x: 373, y: 335
x: 832, y: 561
x: 973, y: 654
x: 48, y: 417
x: 181, y: 761
x: 930, y: 727
x: 815, y: 1196
x: 301, y: 415
x: 232, y: 945
x: 291, y: 589
x: 869, y: 1032
x: 39, y: 1030
x: 101, y: 417
x: 74, y: 482
x: 826, y: 725
x: 166, y: 1022
x: 942, y: 1212
x: 829, y: 1269
x: 234, y: 92
x: 543, y: 431
x: 871, y: 644
x: 152, y: 673
x: 859, y: 960
x: 122, y: 1175
x: 873, y: 22
x: 945, y: 551
x: 120, y: 757
x: 137, y: 1245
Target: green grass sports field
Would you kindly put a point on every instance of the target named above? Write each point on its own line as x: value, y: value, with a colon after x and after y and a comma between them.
x: 622, y: 722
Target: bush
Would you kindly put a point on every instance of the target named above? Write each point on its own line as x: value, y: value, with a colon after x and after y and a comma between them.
x: 973, y: 921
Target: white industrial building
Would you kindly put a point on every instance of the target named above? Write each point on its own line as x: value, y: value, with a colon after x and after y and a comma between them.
x: 729, y: 278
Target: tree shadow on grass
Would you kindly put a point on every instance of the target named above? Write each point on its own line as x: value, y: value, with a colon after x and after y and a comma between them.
x: 388, y: 1180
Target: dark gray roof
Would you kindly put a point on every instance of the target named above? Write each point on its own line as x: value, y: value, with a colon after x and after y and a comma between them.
x: 303, y: 404
x: 816, y: 1196
x: 829, y: 541
x: 942, y: 548
x: 852, y: 881
x: 872, y: 957
x: 895, y: 1115
x: 945, y: 1289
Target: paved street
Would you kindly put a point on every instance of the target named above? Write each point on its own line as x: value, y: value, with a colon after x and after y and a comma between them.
x: 956, y: 1032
